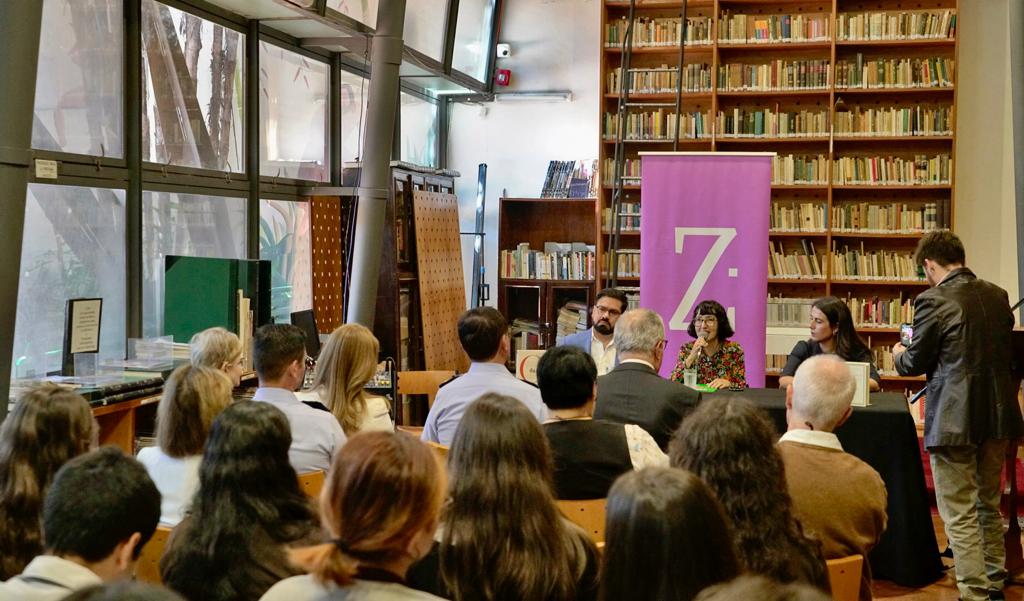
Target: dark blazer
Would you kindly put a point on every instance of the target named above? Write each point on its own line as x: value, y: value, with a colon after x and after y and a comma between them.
x: 962, y: 342
x: 633, y: 393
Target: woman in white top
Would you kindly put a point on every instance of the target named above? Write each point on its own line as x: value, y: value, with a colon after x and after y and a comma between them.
x: 220, y: 349
x: 347, y: 362
x: 193, y: 396
x: 380, y: 503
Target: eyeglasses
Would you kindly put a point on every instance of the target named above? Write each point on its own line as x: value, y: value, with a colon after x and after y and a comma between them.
x: 705, y: 319
x: 607, y: 311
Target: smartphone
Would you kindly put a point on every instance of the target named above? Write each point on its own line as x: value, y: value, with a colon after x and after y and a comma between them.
x: 906, y: 334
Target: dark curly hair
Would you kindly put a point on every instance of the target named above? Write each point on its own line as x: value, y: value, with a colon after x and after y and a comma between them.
x: 730, y: 444
x: 712, y: 307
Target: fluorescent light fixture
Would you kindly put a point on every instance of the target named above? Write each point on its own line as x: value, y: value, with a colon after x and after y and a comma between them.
x: 557, y: 96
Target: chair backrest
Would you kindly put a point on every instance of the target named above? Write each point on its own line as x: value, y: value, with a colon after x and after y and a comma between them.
x: 311, y: 483
x: 423, y: 382
x: 148, y: 567
x: 440, y: 449
x: 587, y: 514
x: 844, y: 576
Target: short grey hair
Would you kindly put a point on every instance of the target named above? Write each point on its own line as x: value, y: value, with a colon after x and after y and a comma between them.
x: 823, y: 389
x: 638, y: 331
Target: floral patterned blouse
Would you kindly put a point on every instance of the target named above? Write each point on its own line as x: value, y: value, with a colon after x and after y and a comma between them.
x: 726, y: 363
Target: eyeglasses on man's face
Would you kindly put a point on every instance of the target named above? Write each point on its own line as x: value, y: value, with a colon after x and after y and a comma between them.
x: 609, y: 311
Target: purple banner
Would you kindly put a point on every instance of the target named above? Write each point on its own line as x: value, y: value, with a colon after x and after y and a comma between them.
x: 705, y: 237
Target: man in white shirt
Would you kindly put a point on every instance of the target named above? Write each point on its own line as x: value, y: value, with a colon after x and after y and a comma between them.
x: 279, y: 356
x: 101, y: 509
x: 599, y: 341
x: 483, y: 333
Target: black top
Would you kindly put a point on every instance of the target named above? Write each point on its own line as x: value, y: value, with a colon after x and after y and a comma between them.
x: 589, y: 455
x: 805, y: 349
x: 633, y: 393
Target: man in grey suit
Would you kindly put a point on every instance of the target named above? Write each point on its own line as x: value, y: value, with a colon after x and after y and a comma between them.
x: 598, y: 341
x: 633, y: 392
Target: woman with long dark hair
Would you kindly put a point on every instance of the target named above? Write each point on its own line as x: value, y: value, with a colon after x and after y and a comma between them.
x: 502, y: 536
x: 248, y: 509
x: 832, y: 331
x: 730, y: 444
x: 718, y: 361
x: 667, y: 538
x: 48, y: 426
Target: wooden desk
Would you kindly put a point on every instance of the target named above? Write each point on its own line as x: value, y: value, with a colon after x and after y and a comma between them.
x: 118, y: 421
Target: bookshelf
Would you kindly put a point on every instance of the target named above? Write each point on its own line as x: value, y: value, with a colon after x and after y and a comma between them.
x: 857, y: 98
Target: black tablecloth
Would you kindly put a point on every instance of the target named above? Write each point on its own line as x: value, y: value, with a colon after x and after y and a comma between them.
x: 883, y: 435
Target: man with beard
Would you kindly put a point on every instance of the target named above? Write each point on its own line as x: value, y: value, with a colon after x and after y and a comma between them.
x: 599, y: 341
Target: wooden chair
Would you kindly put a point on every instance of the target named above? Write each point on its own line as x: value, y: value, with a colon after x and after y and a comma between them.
x: 423, y: 382
x: 311, y: 483
x: 148, y: 567
x: 844, y: 576
x: 410, y: 430
x: 587, y: 514
x: 440, y: 449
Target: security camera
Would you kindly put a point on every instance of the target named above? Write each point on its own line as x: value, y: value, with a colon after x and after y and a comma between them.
x: 504, y: 51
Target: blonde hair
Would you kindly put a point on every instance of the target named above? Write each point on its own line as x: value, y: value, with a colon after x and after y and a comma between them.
x: 193, y: 396
x: 215, y: 347
x: 346, y: 364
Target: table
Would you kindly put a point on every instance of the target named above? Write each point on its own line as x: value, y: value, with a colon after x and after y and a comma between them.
x: 883, y: 436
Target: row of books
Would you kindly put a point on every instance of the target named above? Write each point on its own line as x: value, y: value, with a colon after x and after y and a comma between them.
x: 632, y: 296
x: 625, y: 262
x: 570, y: 179
x: 572, y: 318
x: 861, y: 264
x: 779, y: 74
x: 630, y: 171
x: 797, y: 217
x: 785, y: 312
x: 658, y: 31
x: 881, y: 358
x: 659, y: 124
x: 802, y: 263
x: 867, y: 313
x: 889, y: 218
x: 662, y: 80
x: 771, y: 123
x: 895, y: 121
x: 525, y: 334
x: 790, y: 169
x: 902, y: 25
x: 558, y: 261
x: 906, y: 72
x: 889, y: 170
x: 629, y: 218
x: 756, y: 29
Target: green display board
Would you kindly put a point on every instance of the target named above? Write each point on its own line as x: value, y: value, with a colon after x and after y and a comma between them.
x: 201, y: 293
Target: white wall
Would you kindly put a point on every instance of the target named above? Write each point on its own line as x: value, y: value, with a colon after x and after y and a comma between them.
x: 555, y: 46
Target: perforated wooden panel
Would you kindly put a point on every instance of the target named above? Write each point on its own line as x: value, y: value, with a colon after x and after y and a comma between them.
x: 442, y: 284
x: 329, y: 244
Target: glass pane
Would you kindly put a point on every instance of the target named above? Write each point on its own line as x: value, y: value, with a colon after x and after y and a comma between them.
x: 472, y: 37
x: 364, y: 11
x: 419, y: 131
x: 73, y: 248
x: 354, y: 89
x: 294, y: 119
x: 286, y: 240
x: 189, y: 225
x: 193, y: 97
x: 424, y: 26
x: 79, y: 95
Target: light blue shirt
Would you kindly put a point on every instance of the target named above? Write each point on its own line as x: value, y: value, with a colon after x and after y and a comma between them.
x: 453, y: 399
x: 316, y: 434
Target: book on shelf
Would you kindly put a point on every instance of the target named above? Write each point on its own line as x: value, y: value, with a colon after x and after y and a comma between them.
x: 769, y: 123
x: 632, y: 296
x: 788, y: 312
x: 775, y: 75
x: 558, y: 261
x: 525, y: 333
x: 572, y: 318
x: 762, y: 29
x: 896, y: 25
x: 654, y: 32
x: 629, y: 218
x: 909, y: 121
x: 625, y: 261
x: 570, y: 179
x: 869, y: 312
x: 888, y: 218
x: 920, y: 169
x: 798, y: 217
x: 658, y: 124
x: 662, y: 79
x: 802, y: 263
x: 894, y: 72
x: 788, y: 169
x: 860, y: 264
x: 630, y: 171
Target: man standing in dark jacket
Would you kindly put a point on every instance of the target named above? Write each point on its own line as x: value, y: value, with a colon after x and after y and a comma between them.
x: 961, y: 340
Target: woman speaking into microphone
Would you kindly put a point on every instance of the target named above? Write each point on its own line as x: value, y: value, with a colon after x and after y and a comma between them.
x: 717, y: 360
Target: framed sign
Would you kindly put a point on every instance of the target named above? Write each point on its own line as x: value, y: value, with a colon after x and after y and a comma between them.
x: 82, y: 318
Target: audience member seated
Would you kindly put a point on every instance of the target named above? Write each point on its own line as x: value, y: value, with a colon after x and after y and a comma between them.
x: 124, y: 591
x: 761, y: 589
x: 483, y: 333
x: 381, y: 505
x: 667, y: 538
x: 279, y: 355
x: 589, y: 454
x: 347, y: 362
x: 100, y: 511
x: 717, y: 360
x: 633, y: 392
x: 501, y: 535
x: 730, y: 444
x: 192, y: 398
x: 838, y: 498
x: 832, y: 332
x: 231, y: 545
x: 48, y: 426
x: 220, y: 349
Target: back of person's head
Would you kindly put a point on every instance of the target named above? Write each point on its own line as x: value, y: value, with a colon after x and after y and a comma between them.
x: 666, y: 536
x: 48, y: 426
x: 942, y: 246
x: 216, y: 348
x: 503, y: 535
x: 275, y: 347
x: 823, y: 389
x: 124, y: 591
x: 193, y: 396
x: 714, y: 309
x: 98, y: 501
x: 847, y: 342
x: 480, y: 331
x: 639, y: 331
x: 762, y: 589
x: 380, y: 502
x: 566, y: 376
x: 613, y: 293
x: 347, y: 362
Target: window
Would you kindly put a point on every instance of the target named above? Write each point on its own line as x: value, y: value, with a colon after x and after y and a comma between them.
x: 419, y: 130
x: 354, y: 89
x: 286, y: 241
x: 364, y: 11
x: 472, y: 38
x: 188, y: 225
x: 424, y: 26
x: 193, y: 94
x: 294, y: 117
x: 79, y: 92
x: 73, y: 247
